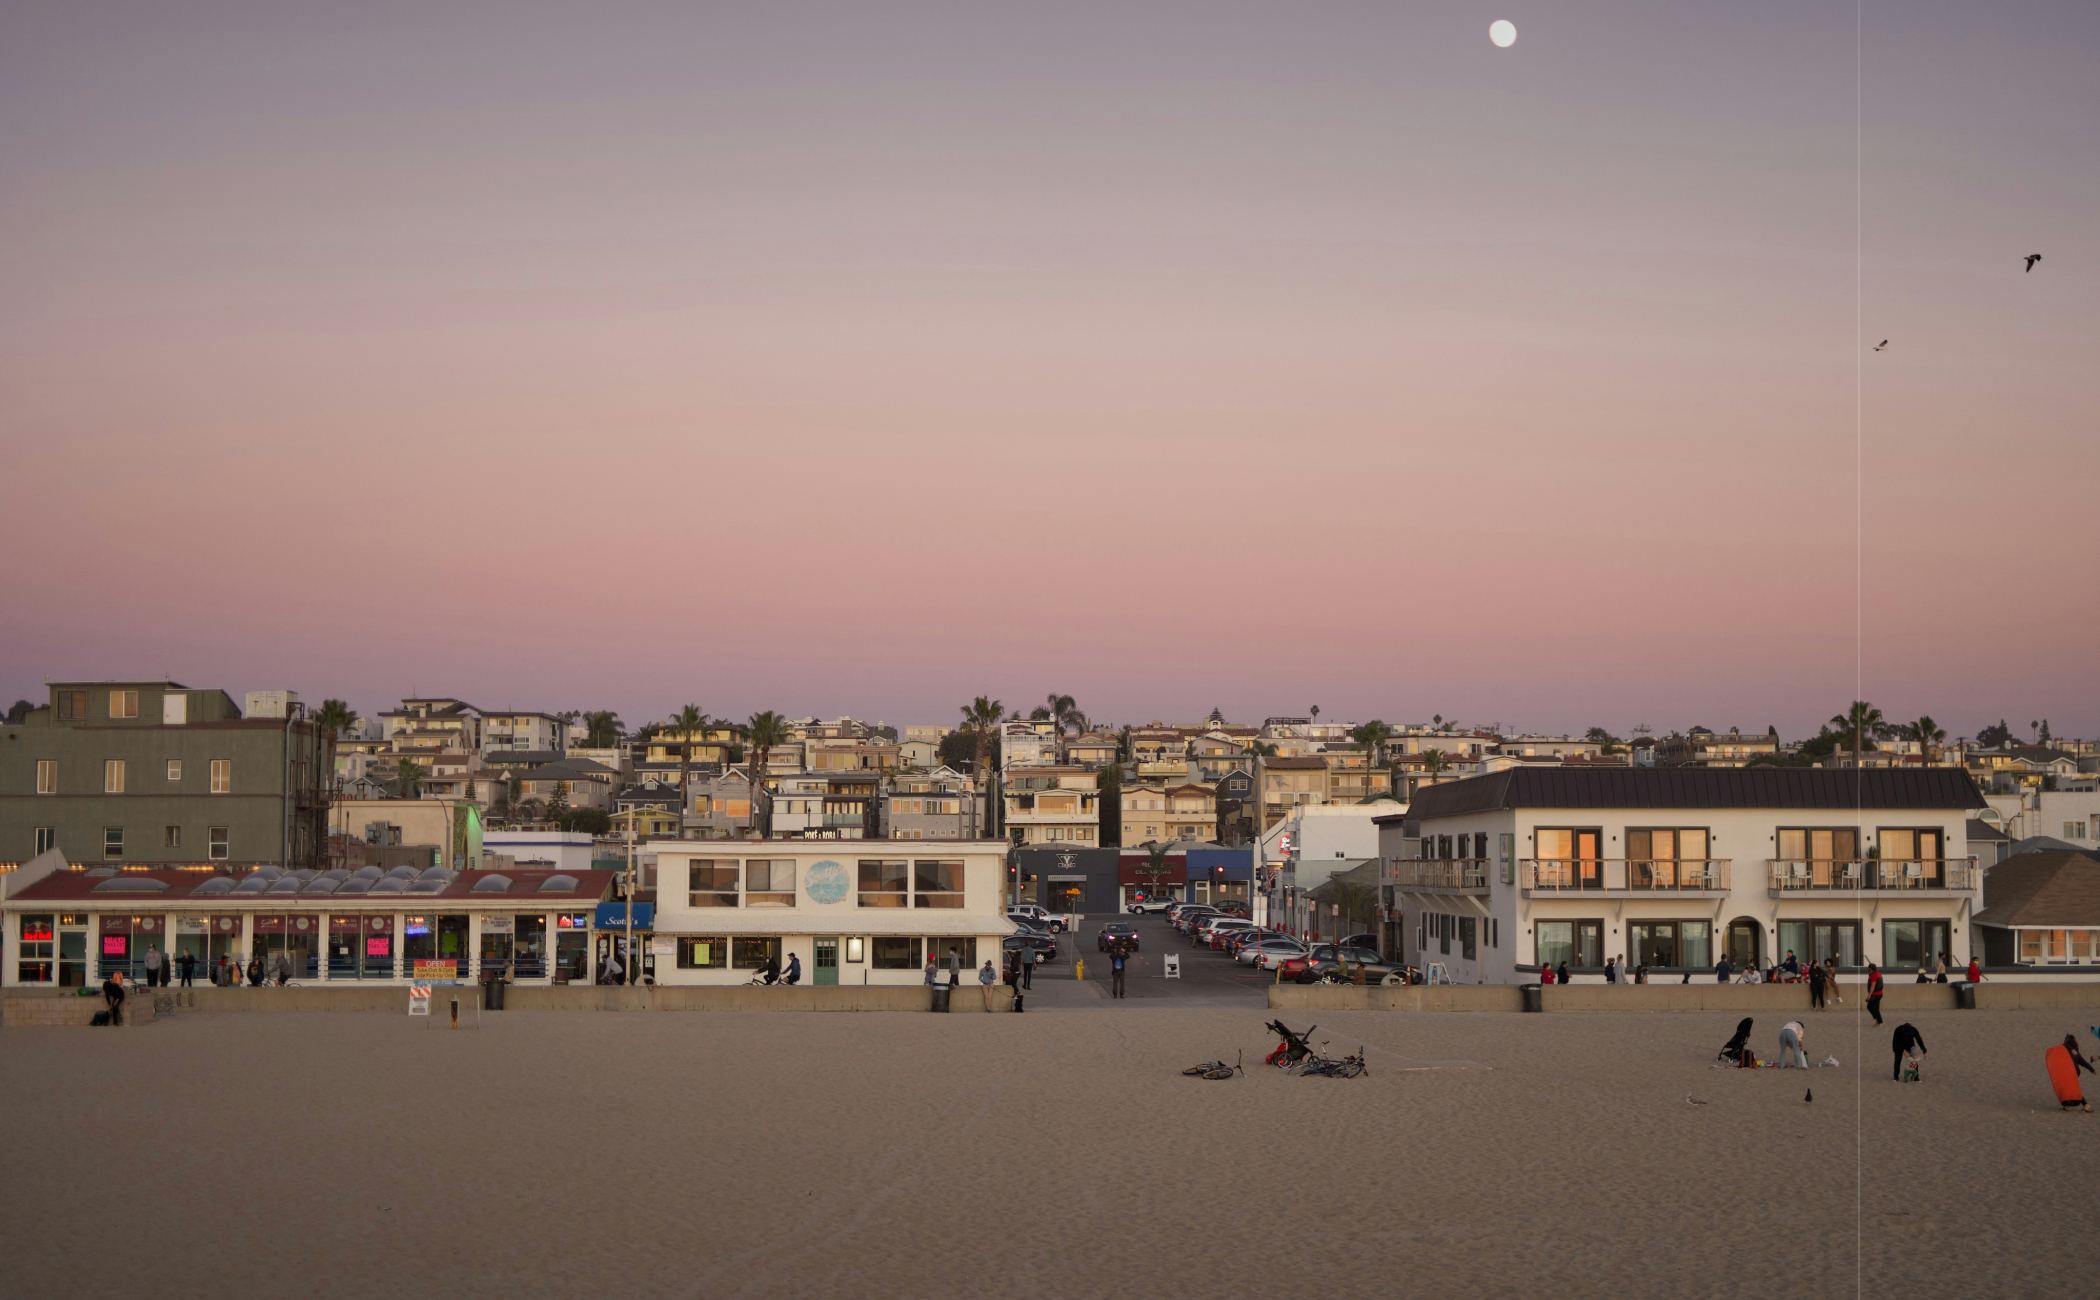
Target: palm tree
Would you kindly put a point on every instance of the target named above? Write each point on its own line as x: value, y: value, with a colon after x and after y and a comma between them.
x: 1860, y: 723
x: 408, y: 778
x: 1263, y: 749
x: 1434, y: 763
x: 1928, y: 734
x: 333, y: 718
x: 604, y: 728
x: 981, y: 719
x: 1062, y: 708
x: 690, y: 722
x: 1372, y: 736
x: 1438, y: 719
x: 1315, y: 713
x: 762, y: 733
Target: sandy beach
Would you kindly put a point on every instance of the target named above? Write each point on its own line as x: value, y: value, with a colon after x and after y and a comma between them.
x: 1052, y: 1153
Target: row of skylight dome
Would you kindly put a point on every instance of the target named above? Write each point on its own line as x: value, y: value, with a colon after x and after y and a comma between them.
x: 336, y: 881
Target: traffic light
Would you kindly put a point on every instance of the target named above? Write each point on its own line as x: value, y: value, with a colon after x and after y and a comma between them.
x: 1218, y: 872
x: 1012, y: 872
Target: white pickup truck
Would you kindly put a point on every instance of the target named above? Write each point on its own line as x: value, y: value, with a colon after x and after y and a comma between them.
x: 1039, y: 917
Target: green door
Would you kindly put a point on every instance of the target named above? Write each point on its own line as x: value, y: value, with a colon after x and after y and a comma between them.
x: 827, y: 963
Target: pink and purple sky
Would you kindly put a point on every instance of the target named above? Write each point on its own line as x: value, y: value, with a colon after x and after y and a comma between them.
x: 854, y: 357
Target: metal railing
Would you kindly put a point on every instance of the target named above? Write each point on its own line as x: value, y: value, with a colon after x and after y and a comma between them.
x: 1625, y: 875
x: 1466, y: 874
x: 1870, y: 875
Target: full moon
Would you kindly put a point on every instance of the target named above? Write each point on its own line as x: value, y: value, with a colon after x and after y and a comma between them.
x: 1503, y: 32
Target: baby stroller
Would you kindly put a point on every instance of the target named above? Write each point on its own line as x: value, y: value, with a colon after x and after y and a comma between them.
x: 1292, y: 1049
x: 1732, y: 1052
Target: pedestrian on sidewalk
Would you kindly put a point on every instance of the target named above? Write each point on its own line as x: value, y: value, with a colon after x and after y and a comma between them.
x: 1116, y: 962
x: 153, y: 967
x: 188, y: 963
x: 1029, y: 957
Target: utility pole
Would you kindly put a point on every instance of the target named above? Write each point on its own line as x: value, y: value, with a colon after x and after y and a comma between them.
x: 633, y: 963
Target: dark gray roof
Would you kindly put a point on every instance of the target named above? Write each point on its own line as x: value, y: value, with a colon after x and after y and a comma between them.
x: 2042, y: 889
x: 1981, y: 830
x: 1696, y: 787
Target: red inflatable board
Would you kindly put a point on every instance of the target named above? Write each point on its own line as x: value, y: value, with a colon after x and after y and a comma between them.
x: 2063, y: 1076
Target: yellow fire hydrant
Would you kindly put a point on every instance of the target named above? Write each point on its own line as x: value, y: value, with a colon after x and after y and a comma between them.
x: 1079, y: 969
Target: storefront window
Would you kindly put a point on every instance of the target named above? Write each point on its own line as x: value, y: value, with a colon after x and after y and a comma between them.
x: 892, y: 952
x: 572, y: 945
x: 529, y: 947
x: 751, y: 951
x: 452, y: 941
x: 36, y: 951
x: 711, y: 884
x: 965, y: 950
x: 704, y: 952
x: 496, y: 946
x: 937, y: 884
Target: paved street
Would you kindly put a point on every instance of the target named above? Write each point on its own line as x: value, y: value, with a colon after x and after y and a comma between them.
x: 1207, y: 978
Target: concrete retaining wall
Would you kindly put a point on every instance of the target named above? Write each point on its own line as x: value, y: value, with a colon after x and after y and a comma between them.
x: 47, y: 1008
x: 140, y: 1008
x: 1756, y: 999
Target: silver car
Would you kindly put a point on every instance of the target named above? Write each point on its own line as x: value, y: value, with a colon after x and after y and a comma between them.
x: 1267, y: 954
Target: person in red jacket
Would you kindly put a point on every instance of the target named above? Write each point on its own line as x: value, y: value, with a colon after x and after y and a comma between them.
x: 1874, y: 983
x: 1975, y: 971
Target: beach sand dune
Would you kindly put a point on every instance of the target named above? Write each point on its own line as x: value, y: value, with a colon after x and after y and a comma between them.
x: 1055, y: 1153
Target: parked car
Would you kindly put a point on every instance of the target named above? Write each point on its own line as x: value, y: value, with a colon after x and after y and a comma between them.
x: 1039, y: 917
x: 1157, y: 903
x: 1023, y: 927
x: 1327, y: 960
x: 1116, y: 932
x: 1235, y: 907
x: 1369, y: 941
x: 1236, y: 941
x: 1269, y: 951
x: 1215, y: 935
x: 1031, y: 944
x: 1187, y: 918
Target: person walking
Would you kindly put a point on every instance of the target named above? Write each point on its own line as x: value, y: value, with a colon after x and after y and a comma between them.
x: 1906, y: 1041
x: 188, y: 964
x: 933, y: 968
x: 1792, y: 1045
x: 1029, y: 957
x: 1611, y: 970
x: 1561, y: 972
x: 1815, y: 987
x: 255, y: 970
x: 1939, y: 968
x: 113, y: 996
x: 954, y: 967
x: 1721, y: 970
x: 153, y: 965
x: 1830, y: 980
x: 1975, y: 970
x: 1116, y: 962
x: 1545, y: 977
x: 1874, y: 990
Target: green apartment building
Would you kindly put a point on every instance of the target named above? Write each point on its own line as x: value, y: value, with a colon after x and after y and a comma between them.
x: 154, y: 774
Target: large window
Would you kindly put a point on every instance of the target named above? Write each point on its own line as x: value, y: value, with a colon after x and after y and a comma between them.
x: 1912, y: 858
x: 769, y: 882
x: 1818, y: 855
x: 937, y: 884
x: 1570, y: 857
x: 1666, y: 858
x: 964, y: 947
x: 1578, y: 943
x: 1815, y: 940
x: 47, y: 776
x: 703, y: 952
x: 113, y: 776
x: 72, y: 706
x: 1908, y: 945
x: 218, y: 844
x: 112, y: 841
x: 33, y: 953
x: 2059, y: 947
x: 123, y: 704
x: 1671, y: 943
x: 894, y: 952
x: 752, y: 951
x: 222, y: 776
x: 882, y: 883
x: 712, y: 883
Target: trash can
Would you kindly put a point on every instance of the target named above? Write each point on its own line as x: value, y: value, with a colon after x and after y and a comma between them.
x: 1533, y: 998
x: 1965, y: 997
x: 492, y: 995
x: 940, y: 997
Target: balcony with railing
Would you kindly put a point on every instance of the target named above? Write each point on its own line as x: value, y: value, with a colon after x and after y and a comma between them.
x: 1825, y: 876
x: 1437, y: 875
x: 1548, y: 877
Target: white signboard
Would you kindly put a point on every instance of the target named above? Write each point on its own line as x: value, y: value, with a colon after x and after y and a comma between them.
x: 419, y: 999
x: 1173, y: 964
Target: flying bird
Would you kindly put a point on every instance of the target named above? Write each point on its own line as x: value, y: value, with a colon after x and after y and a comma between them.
x: 2032, y: 258
x: 1881, y: 345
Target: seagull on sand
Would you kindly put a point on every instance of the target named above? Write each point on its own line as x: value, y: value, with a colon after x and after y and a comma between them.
x: 2032, y: 258
x: 1881, y: 345
x: 1811, y: 1095
x: 1694, y: 1100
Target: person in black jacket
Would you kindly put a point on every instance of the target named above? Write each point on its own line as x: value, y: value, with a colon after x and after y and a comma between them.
x: 1905, y: 1038
x: 113, y: 994
x: 1815, y: 985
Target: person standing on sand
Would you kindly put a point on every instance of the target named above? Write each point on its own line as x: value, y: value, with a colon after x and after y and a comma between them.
x: 1815, y: 988
x: 1830, y: 980
x: 1874, y: 988
x: 1721, y: 970
x: 1904, y: 1041
x: 1792, y: 1045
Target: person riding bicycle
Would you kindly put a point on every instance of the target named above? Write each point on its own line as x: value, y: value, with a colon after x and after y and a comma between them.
x: 794, y: 970
x: 771, y: 973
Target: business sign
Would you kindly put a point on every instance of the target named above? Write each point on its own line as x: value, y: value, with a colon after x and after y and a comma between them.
x: 426, y: 969
x: 572, y: 921
x: 491, y: 923
x: 613, y: 916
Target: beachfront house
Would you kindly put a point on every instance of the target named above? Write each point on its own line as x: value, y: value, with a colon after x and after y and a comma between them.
x: 1495, y: 876
x: 864, y: 911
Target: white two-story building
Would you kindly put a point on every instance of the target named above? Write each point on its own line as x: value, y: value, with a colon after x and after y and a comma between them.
x: 1498, y: 875
x: 855, y: 911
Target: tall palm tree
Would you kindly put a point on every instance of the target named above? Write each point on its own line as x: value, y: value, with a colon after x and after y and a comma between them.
x: 408, y: 778
x: 690, y: 721
x: 1434, y: 763
x: 1063, y: 708
x: 763, y: 732
x: 981, y: 718
x: 1859, y: 724
x: 604, y: 729
x: 333, y: 718
x: 1929, y: 735
x: 1372, y: 736
x: 1315, y: 713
